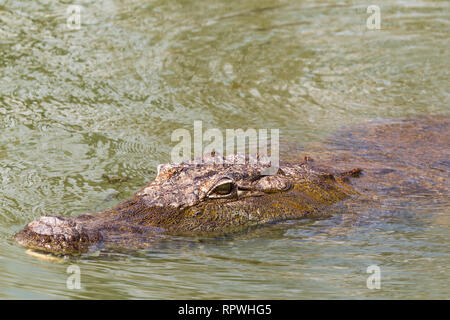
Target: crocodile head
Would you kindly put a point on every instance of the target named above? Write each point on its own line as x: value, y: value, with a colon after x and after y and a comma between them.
x: 216, y: 194
x: 228, y: 193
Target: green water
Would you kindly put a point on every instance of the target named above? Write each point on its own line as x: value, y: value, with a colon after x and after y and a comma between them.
x: 78, y: 104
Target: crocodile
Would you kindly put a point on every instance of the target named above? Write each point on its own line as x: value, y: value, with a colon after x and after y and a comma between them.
x: 396, y: 162
x: 209, y: 195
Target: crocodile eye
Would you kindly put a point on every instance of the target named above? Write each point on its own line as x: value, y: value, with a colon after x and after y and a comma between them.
x: 224, y: 189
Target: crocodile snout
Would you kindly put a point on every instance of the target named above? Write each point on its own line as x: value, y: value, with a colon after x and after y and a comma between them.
x: 57, y: 235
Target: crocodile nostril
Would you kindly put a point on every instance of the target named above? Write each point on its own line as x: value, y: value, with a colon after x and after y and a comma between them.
x: 58, y: 235
x: 51, y: 225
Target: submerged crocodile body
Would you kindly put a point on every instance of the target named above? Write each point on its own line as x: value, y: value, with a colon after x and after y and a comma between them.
x: 216, y: 194
x: 401, y: 160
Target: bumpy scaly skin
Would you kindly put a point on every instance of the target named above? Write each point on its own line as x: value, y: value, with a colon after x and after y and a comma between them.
x: 186, y: 199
